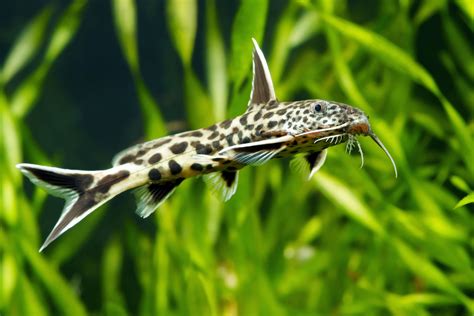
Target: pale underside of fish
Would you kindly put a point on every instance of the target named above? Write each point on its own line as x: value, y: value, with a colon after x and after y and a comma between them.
x: 268, y: 129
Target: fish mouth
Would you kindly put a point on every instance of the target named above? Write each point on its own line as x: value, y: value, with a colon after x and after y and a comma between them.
x: 359, y: 129
x: 362, y: 127
x: 359, y: 126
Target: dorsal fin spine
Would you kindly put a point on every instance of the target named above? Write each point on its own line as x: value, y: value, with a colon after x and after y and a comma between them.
x: 262, y: 84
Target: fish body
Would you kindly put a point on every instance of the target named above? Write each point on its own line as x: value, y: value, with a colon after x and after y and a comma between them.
x: 268, y: 129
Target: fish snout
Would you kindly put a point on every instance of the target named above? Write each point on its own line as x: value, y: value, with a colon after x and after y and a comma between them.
x: 359, y: 126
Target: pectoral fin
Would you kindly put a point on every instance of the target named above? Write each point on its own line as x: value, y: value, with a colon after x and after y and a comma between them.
x: 256, y: 158
x: 259, y: 145
x: 311, y: 162
x: 316, y: 161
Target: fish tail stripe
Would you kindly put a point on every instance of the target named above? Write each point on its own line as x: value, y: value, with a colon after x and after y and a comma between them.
x: 77, y: 187
x: 57, y: 181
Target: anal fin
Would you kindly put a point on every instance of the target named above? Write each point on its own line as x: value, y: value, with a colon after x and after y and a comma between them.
x: 150, y: 197
x: 223, y: 183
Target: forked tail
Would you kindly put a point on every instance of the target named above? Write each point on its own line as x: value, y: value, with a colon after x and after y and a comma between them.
x: 84, y: 191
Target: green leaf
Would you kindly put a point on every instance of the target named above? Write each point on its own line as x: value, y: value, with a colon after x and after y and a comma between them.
x: 125, y: 25
x: 10, y: 270
x: 216, y: 62
x: 182, y: 22
x: 468, y: 8
x: 154, y: 122
x: 341, y: 195
x: 425, y: 269
x: 29, y: 91
x: 60, y: 291
x: 111, y: 273
x: 468, y: 199
x: 198, y: 105
x: 10, y: 145
x: 27, y: 45
x: 344, y: 74
x: 249, y: 22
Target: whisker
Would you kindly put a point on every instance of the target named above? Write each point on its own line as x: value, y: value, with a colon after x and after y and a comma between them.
x: 361, y: 153
x: 380, y: 144
x: 350, y: 144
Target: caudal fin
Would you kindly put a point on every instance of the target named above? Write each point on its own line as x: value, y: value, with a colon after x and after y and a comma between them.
x: 84, y: 191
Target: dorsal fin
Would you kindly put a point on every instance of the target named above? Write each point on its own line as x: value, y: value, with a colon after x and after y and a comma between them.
x: 262, y: 84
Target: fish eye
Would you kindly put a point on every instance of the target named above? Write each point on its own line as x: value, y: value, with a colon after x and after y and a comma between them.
x: 318, y: 107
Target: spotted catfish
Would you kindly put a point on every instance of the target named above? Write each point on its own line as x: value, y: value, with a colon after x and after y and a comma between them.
x: 268, y: 129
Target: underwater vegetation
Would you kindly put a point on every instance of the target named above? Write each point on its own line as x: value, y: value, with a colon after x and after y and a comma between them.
x: 81, y: 80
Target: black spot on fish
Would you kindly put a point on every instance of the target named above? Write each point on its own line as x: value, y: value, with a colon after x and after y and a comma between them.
x: 213, y: 135
x: 243, y: 119
x: 257, y: 116
x: 268, y: 115
x: 104, y: 184
x: 212, y: 127
x: 141, y: 152
x: 175, y: 167
x: 246, y: 140
x: 281, y: 112
x: 155, y: 158
x: 229, y: 139
x: 209, y: 167
x: 197, y: 167
x: 235, y: 129
x: 138, y: 161
x: 272, y: 104
x: 161, y: 142
x: 217, y: 159
x: 179, y: 148
x: 249, y: 127
x: 225, y: 124
x: 154, y: 175
x: 216, y: 144
x: 196, y: 134
x: 203, y: 149
x: 272, y: 124
x: 259, y: 127
x: 126, y: 159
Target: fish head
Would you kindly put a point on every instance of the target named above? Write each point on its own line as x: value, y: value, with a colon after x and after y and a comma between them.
x: 333, y: 123
x: 334, y: 118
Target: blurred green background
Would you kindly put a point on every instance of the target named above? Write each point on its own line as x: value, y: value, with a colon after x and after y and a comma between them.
x: 81, y: 80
